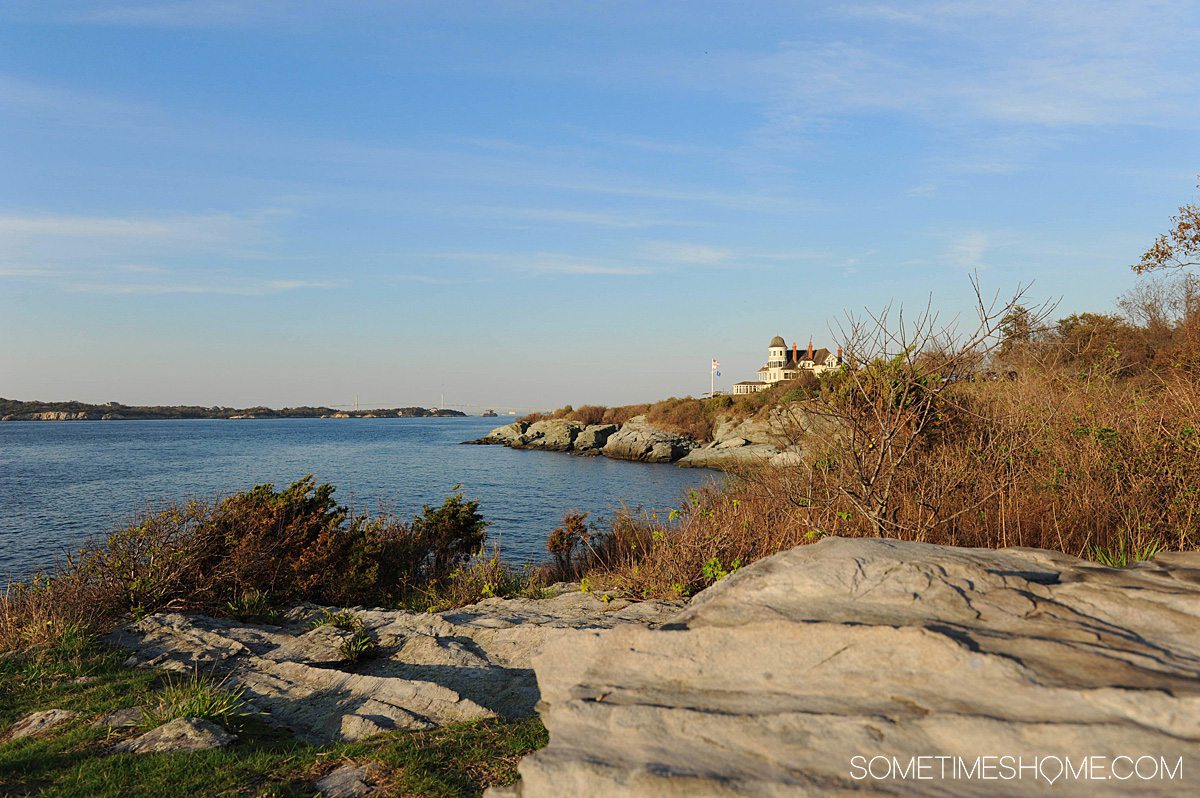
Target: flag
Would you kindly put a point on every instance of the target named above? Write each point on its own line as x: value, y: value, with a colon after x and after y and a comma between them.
x: 718, y: 374
x: 715, y: 364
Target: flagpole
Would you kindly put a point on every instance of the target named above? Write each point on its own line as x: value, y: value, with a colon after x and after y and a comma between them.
x: 712, y: 382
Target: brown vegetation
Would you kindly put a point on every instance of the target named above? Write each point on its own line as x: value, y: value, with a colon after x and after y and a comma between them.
x: 1088, y: 443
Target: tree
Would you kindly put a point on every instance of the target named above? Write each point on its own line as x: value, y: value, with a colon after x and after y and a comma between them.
x: 1017, y: 330
x: 1178, y: 248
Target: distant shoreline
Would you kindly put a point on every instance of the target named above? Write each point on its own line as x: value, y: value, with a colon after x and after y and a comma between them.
x: 15, y: 410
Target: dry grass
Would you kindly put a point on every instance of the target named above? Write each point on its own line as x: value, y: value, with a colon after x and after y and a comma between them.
x: 1097, y: 468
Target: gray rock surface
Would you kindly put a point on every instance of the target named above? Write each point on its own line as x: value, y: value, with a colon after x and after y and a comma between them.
x: 505, y: 435
x: 637, y: 440
x: 347, y: 781
x: 752, y: 430
x: 736, y: 442
x: 434, y: 668
x: 39, y: 722
x: 181, y: 734
x: 771, y: 682
x: 729, y: 457
x: 128, y: 718
x: 551, y: 435
x: 593, y: 437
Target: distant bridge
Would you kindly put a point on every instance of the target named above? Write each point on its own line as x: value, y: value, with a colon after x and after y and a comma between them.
x: 468, y: 408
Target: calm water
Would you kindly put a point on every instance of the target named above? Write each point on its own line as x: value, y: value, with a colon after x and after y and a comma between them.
x: 61, y: 482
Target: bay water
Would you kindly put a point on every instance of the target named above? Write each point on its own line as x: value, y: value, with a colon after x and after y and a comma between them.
x: 63, y: 482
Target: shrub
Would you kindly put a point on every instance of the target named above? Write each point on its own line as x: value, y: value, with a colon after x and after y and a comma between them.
x: 589, y: 414
x: 1095, y: 462
x: 245, y: 556
x: 562, y: 543
x: 446, y: 537
x: 686, y: 416
x: 476, y: 580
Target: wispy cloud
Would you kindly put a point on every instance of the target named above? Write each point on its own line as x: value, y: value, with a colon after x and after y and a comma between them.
x: 569, y: 216
x: 685, y: 253
x: 540, y: 263
x: 204, y: 253
x: 245, y: 288
x: 688, y: 255
x: 967, y: 251
x: 48, y: 239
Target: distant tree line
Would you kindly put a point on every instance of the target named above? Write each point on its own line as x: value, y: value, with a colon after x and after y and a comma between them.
x: 16, y: 410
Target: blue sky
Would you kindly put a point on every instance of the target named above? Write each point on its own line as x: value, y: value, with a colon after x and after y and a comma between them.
x: 530, y: 203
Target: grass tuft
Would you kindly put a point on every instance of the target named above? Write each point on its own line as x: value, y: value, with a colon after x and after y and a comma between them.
x: 198, y: 696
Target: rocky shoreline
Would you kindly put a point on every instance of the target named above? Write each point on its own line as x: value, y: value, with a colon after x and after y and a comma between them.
x: 781, y: 679
x: 736, y: 442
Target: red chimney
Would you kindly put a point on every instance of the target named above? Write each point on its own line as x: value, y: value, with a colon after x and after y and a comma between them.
x: 839, y: 353
x: 810, y: 349
x: 794, y: 358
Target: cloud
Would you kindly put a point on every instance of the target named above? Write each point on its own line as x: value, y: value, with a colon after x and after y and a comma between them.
x: 250, y: 288
x: 544, y: 263
x: 197, y: 253
x: 54, y: 239
x: 567, y: 216
x: 967, y: 251
x: 691, y: 254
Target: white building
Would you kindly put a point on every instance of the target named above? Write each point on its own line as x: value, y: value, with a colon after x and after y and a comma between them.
x: 784, y: 364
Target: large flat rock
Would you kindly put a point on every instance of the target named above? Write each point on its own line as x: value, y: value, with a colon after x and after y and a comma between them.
x: 435, y: 668
x: 813, y: 669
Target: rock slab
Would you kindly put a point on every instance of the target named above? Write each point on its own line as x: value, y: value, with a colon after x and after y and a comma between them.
x: 434, y: 668
x: 181, y: 734
x: 637, y: 440
x: 127, y: 718
x: 348, y: 781
x: 40, y: 722
x: 793, y: 675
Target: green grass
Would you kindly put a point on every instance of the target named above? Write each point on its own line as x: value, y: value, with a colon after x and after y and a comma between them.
x: 1122, y: 554
x: 197, y: 696
x: 345, y: 620
x: 71, y: 761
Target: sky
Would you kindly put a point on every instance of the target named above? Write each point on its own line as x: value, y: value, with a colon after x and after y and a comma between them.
x: 528, y: 204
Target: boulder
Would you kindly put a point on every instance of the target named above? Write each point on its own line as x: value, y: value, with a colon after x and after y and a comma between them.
x: 593, y: 437
x: 753, y: 430
x: 637, y: 440
x: 470, y: 663
x: 840, y: 666
x: 728, y: 458
x: 40, y: 722
x: 503, y: 436
x: 181, y: 734
x: 551, y: 435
